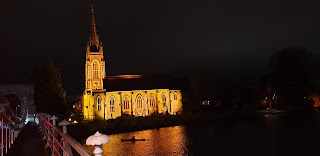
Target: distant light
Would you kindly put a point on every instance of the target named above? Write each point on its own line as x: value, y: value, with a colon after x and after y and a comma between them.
x: 69, y: 119
x: 205, y: 102
x: 75, y: 121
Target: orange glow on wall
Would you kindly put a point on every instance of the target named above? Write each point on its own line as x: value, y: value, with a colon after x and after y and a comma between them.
x: 124, y: 77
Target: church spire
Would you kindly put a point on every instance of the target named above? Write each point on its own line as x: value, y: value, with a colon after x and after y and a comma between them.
x: 94, y: 39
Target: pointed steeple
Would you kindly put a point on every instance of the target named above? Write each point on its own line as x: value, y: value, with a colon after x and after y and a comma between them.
x: 94, y: 39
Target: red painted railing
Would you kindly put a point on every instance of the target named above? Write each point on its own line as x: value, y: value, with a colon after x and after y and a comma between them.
x: 59, y: 145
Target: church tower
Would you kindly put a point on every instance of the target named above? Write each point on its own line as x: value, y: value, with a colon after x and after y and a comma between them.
x: 95, y: 72
x: 95, y: 64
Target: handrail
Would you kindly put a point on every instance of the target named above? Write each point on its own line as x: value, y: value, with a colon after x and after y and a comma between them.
x: 8, y: 136
x: 77, y: 146
x: 55, y: 139
x: 46, y: 126
x: 73, y: 143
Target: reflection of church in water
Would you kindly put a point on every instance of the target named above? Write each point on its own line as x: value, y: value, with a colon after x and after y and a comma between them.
x: 97, y: 103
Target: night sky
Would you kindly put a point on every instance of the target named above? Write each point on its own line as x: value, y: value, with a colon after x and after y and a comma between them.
x: 232, y: 39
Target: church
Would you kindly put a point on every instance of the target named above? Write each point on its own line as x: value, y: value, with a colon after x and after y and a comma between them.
x: 98, y: 103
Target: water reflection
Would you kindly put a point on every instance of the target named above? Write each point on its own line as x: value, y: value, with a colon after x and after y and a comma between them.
x: 270, y: 116
x: 271, y: 135
x: 163, y: 141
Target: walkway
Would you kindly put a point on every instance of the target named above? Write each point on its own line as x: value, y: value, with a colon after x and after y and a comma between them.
x: 28, y: 143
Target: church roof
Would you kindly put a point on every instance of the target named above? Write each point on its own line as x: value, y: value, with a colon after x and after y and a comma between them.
x: 124, y: 77
x: 142, y: 82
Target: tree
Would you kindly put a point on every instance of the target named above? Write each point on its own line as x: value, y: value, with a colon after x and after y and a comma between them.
x: 50, y: 97
x: 291, y: 70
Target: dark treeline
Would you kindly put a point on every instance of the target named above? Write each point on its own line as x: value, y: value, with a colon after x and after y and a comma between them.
x: 50, y: 96
x: 291, y: 75
x: 288, y: 82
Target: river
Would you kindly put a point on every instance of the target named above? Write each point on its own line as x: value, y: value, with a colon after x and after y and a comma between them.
x: 268, y: 135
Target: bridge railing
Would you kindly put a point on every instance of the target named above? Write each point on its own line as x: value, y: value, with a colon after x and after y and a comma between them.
x: 9, y: 133
x: 59, y: 141
x: 6, y: 138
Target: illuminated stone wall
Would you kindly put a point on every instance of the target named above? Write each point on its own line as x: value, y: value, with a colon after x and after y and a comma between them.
x: 136, y: 103
x: 176, y: 100
x: 126, y: 98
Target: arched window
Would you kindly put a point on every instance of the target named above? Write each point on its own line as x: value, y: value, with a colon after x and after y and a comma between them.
x: 152, y: 100
x: 99, y: 102
x: 139, y: 101
x: 164, y: 99
x: 112, y: 108
x: 126, y: 103
x: 95, y: 69
x: 175, y: 95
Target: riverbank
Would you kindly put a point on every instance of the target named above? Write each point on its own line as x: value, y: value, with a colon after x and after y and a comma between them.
x: 270, y: 111
x: 82, y: 130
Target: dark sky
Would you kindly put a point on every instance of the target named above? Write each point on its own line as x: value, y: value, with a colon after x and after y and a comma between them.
x: 230, y: 38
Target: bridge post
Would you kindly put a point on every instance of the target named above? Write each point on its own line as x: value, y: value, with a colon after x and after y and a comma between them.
x: 48, y: 133
x: 44, y: 130
x: 2, y: 136
x: 97, y: 140
x: 66, y: 145
x: 9, y: 136
x: 12, y: 131
x: 16, y: 134
x: 54, y: 144
x: 6, y: 138
x: 41, y: 125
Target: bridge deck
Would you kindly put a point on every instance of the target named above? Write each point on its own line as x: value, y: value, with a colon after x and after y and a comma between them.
x: 28, y: 143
